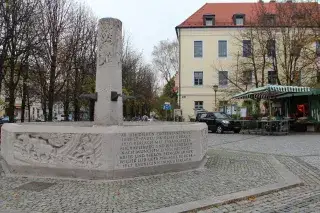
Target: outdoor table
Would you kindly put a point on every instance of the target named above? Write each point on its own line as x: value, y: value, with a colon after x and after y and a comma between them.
x: 272, y: 127
x: 268, y: 127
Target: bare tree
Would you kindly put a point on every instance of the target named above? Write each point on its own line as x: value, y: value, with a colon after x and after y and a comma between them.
x: 279, y: 37
x: 17, y: 17
x: 4, y: 38
x: 80, y: 60
x: 48, y: 55
x: 138, y: 80
x: 166, y: 58
x: 30, y: 42
x: 54, y: 23
x: 291, y: 35
x: 288, y: 39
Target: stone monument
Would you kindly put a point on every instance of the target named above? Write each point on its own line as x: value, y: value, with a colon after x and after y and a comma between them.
x: 108, y: 148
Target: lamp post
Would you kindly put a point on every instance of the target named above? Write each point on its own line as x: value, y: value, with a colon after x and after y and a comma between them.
x: 215, y: 89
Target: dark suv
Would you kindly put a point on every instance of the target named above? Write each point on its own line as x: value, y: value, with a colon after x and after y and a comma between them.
x: 219, y: 122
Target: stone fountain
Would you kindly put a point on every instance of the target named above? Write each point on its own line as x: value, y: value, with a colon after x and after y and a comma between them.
x: 108, y: 148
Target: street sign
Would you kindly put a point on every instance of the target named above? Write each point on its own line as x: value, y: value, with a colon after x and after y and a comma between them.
x: 167, y: 106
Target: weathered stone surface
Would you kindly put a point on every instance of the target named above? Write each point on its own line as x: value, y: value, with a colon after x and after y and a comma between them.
x: 104, y: 149
x: 225, y: 172
x: 146, y: 193
x: 102, y: 152
x: 109, y: 75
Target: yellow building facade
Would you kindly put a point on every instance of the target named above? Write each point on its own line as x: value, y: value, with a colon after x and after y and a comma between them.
x: 209, y: 51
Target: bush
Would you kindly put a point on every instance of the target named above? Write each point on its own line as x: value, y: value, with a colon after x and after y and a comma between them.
x: 236, y: 117
x: 192, y: 120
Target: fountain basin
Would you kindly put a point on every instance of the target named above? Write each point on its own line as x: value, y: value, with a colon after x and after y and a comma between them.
x: 82, y: 150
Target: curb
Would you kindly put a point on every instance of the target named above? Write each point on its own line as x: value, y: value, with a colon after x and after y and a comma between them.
x: 289, y: 180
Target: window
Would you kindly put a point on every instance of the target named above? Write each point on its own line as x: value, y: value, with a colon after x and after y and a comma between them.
x: 223, y: 106
x: 272, y: 77
x: 223, y: 103
x: 222, y: 48
x: 198, y: 78
x: 203, y: 115
x: 270, y: 19
x: 247, y: 77
x: 198, y: 49
x: 209, y: 20
x: 299, y: 16
x: 318, y: 48
x: 296, y: 48
x: 220, y: 115
x: 239, y: 21
x: 223, y: 78
x: 246, y: 48
x: 271, y: 48
x: 198, y: 105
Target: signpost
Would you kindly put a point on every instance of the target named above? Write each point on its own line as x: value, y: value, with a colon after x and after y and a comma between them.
x: 177, y: 113
x: 167, y: 107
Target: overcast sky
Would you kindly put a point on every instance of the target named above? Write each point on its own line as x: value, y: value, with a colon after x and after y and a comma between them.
x: 149, y: 21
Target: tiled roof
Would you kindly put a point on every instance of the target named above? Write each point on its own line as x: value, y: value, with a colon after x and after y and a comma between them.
x: 224, y: 12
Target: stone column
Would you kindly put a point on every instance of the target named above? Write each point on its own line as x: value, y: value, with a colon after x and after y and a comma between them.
x: 109, y: 73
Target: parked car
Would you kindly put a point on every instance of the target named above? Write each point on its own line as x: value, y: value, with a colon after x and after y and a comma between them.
x: 4, y: 120
x: 199, y: 114
x: 219, y: 122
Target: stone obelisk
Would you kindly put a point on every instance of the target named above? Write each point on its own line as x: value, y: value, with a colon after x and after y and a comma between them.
x: 109, y: 73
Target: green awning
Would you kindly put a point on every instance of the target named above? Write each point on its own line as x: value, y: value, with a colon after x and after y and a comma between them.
x: 312, y: 92
x: 271, y: 91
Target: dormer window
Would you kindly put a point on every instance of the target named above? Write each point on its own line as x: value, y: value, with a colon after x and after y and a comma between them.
x: 270, y: 19
x: 238, y: 19
x: 209, y: 20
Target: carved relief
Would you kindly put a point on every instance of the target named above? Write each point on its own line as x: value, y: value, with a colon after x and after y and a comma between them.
x: 82, y: 150
x: 110, y: 42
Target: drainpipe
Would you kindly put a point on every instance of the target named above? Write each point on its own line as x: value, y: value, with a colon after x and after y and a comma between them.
x: 179, y: 41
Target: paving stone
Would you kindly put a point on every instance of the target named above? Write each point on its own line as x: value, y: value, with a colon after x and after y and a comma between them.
x: 225, y: 173
x: 291, y: 145
x: 299, y: 199
x: 312, y: 160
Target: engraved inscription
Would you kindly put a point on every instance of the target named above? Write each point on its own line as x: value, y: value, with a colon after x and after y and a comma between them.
x: 204, y: 141
x: 155, y: 148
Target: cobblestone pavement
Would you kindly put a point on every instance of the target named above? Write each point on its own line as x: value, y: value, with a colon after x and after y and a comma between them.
x: 225, y: 173
x: 312, y: 160
x: 291, y: 145
x: 299, y: 153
